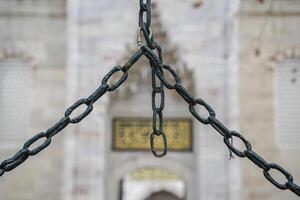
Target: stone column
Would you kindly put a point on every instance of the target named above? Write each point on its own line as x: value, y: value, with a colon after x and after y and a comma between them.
x: 97, y: 38
x: 205, y: 37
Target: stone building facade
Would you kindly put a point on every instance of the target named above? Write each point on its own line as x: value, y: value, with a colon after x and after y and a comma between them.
x: 227, y: 52
x: 269, y: 40
x: 33, y: 63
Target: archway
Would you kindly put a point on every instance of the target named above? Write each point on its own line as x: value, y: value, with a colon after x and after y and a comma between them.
x: 151, y: 183
x: 162, y: 195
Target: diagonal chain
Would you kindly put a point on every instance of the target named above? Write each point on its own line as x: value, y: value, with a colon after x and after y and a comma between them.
x: 46, y: 137
x: 227, y: 134
x: 157, y: 72
x: 157, y: 118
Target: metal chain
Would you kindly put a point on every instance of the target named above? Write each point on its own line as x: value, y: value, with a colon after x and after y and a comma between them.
x: 46, y: 136
x: 227, y: 134
x: 144, y: 27
x: 157, y: 69
x: 157, y: 113
x: 145, y: 22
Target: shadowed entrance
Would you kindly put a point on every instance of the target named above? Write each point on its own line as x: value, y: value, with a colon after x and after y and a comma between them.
x: 162, y: 195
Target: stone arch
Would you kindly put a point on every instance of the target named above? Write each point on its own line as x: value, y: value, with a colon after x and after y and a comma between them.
x: 140, y: 163
x: 173, y: 167
x: 289, y: 53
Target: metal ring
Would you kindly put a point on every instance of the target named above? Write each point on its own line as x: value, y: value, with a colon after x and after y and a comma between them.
x: 165, y: 148
x: 235, y: 150
x: 35, y: 139
x: 112, y: 72
x: 207, y: 107
x: 145, y: 8
x: 273, y: 181
x: 162, y: 99
x: 154, y: 126
x: 78, y: 103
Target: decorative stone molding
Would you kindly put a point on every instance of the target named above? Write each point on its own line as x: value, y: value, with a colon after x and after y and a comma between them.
x: 141, y: 163
x: 289, y: 53
x: 142, y: 71
x: 20, y: 54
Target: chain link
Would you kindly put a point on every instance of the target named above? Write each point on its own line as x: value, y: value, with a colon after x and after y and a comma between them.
x: 153, y: 52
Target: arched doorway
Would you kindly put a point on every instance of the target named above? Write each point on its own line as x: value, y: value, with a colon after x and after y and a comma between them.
x: 151, y: 183
x: 162, y: 195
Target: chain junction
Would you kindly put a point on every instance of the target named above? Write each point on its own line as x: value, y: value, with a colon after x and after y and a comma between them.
x: 152, y: 51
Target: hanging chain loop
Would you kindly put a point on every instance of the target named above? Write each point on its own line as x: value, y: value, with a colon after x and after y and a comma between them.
x: 165, y: 147
x: 157, y: 111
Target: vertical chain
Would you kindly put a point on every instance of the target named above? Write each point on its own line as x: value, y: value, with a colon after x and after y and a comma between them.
x: 157, y: 113
x: 145, y: 22
x: 157, y: 119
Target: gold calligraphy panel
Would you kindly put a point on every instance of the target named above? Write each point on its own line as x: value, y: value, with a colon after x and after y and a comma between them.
x: 134, y: 134
x: 154, y: 174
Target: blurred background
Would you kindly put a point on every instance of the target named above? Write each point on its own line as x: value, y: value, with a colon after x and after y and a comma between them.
x: 241, y: 56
